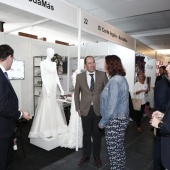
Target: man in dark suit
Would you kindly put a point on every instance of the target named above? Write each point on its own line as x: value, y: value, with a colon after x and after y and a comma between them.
x: 162, y: 121
x: 162, y: 71
x: 87, y: 101
x: 161, y: 100
x: 9, y: 112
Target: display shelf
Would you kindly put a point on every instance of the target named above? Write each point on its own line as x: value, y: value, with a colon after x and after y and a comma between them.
x: 37, y: 82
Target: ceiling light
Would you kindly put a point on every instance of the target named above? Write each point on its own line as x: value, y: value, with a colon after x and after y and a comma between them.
x: 166, y: 51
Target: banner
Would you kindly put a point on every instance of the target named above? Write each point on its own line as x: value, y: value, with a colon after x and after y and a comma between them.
x: 94, y: 26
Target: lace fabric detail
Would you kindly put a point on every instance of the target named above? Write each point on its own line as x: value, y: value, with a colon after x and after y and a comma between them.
x: 71, y: 136
x: 47, y: 134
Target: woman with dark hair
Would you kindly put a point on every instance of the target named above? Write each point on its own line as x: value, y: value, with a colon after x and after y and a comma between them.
x: 140, y: 91
x: 114, y: 108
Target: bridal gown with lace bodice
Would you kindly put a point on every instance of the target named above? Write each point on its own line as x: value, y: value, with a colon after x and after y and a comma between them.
x: 71, y: 137
x: 49, y: 120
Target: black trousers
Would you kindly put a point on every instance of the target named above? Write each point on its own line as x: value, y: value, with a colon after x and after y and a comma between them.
x: 6, y: 150
x: 157, y: 154
x: 90, y: 129
x: 139, y: 115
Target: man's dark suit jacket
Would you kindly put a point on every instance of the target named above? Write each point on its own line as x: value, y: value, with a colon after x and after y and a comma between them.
x: 158, y: 78
x: 162, y: 94
x: 8, y: 107
x: 165, y: 139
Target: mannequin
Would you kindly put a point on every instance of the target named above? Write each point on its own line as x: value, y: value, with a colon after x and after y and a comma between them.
x: 50, y: 64
x: 49, y: 120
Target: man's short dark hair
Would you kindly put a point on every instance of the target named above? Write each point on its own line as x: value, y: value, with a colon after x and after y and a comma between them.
x: 5, y: 51
x: 85, y: 60
x: 163, y: 67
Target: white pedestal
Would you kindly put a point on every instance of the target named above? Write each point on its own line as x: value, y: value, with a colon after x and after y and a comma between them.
x: 48, y: 143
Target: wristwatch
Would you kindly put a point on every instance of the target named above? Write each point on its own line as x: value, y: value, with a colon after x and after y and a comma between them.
x: 160, y: 125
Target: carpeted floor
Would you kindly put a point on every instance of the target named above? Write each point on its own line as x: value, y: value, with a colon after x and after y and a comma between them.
x: 36, y: 158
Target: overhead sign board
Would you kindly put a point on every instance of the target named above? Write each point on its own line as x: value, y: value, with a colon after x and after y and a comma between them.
x: 104, y: 30
x: 55, y: 10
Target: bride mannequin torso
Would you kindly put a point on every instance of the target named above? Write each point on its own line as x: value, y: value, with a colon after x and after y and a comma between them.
x: 49, y: 72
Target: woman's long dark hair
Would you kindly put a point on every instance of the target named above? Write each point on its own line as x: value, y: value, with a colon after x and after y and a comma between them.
x: 114, y: 65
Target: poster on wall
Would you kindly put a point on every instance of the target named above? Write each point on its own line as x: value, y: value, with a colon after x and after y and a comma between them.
x: 17, y: 71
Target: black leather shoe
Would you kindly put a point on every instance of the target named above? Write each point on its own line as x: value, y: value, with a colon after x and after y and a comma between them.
x: 98, y: 161
x: 83, y: 160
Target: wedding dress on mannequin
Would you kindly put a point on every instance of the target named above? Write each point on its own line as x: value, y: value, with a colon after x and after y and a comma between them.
x: 49, y: 119
x: 71, y: 137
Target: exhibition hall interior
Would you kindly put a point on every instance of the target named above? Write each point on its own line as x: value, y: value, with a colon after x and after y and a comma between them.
x: 65, y: 32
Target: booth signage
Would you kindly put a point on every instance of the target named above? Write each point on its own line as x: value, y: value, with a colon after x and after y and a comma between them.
x: 43, y: 4
x: 112, y: 34
x: 104, y: 30
x: 55, y: 10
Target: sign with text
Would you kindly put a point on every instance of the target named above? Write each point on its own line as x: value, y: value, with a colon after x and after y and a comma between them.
x: 102, y: 29
x: 51, y: 9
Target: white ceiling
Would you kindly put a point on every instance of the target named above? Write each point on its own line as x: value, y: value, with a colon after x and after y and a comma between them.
x: 146, y: 20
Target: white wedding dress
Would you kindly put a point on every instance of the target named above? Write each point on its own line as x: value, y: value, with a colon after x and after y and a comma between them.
x: 71, y: 137
x: 49, y: 119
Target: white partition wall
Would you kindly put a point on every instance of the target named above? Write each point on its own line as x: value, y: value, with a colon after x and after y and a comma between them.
x: 25, y: 49
x: 128, y: 59
x: 23, y: 87
x: 97, y: 49
x: 107, y: 48
x: 73, y: 60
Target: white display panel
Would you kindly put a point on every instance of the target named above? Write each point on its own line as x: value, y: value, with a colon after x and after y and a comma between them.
x: 128, y: 60
x: 97, y: 49
x: 17, y: 71
x: 22, y: 51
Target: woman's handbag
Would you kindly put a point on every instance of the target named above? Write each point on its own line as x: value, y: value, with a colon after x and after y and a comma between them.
x: 137, y: 104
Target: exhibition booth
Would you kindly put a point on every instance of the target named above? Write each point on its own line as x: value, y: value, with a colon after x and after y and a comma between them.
x: 94, y: 37
x: 82, y: 23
